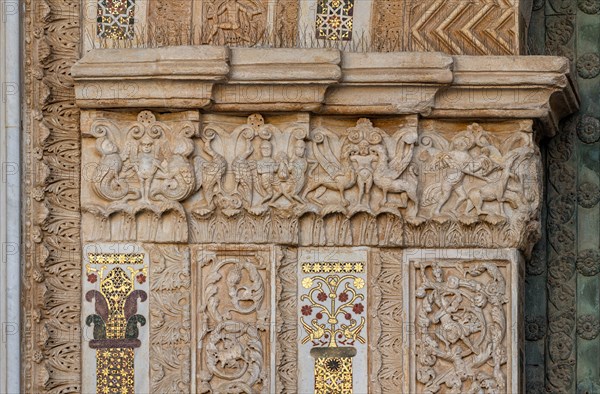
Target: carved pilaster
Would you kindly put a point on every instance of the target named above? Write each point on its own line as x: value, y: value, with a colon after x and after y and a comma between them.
x: 388, y: 327
x: 287, y: 321
x: 51, y: 353
x: 170, y: 319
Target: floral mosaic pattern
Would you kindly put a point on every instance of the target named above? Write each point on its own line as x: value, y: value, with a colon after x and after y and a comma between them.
x: 332, y: 312
x: 115, y: 321
x: 334, y: 308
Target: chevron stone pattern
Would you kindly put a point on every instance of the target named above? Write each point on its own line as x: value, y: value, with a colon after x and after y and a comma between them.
x: 461, y: 27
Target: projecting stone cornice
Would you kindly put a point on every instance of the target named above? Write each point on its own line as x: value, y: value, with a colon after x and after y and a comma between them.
x: 328, y: 81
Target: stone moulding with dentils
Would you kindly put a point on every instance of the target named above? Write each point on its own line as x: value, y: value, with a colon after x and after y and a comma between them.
x: 309, y: 179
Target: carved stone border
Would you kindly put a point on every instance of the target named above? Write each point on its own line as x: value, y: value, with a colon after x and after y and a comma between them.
x: 51, y: 351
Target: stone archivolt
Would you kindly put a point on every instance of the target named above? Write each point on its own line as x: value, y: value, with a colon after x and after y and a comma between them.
x: 308, y: 179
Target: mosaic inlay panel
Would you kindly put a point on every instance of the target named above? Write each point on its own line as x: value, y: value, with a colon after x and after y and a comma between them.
x: 115, y: 293
x: 335, y: 19
x: 115, y: 19
x: 332, y: 310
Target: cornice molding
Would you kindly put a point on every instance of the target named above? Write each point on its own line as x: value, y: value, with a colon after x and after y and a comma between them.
x: 328, y: 81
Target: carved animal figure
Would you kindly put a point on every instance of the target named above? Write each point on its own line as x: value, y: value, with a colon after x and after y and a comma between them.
x: 386, y: 179
x: 179, y: 180
x: 315, y: 332
x: 496, y: 190
x: 244, y: 171
x: 209, y: 174
x: 107, y: 183
x: 230, y: 354
x: 337, y: 175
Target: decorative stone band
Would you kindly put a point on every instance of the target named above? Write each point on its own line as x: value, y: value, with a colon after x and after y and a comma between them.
x: 308, y: 180
x: 327, y: 81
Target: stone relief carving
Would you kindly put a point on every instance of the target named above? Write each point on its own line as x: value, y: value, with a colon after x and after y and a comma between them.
x: 286, y: 321
x: 387, y: 326
x: 478, y: 168
x: 143, y: 171
x: 461, y: 319
x: 170, y: 319
x: 489, y: 30
x: 483, y: 182
x: 311, y: 180
x: 231, y: 22
x: 51, y: 279
x: 233, y: 319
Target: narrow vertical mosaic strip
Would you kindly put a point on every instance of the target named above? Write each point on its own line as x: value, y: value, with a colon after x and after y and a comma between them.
x: 332, y: 308
x: 115, y: 19
x: 334, y: 19
x: 115, y: 290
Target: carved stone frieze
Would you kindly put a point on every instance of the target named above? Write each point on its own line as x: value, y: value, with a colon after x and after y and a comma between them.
x: 485, y: 177
x: 309, y: 180
x: 137, y: 170
x: 234, y: 320
x: 463, y: 307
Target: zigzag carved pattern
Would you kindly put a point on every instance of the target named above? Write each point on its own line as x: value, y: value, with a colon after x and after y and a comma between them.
x: 487, y: 27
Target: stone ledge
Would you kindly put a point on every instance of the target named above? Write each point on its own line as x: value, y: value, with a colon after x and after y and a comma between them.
x: 174, y: 77
x: 534, y: 87
x: 328, y: 81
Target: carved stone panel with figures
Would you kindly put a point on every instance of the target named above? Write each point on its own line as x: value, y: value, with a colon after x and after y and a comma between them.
x: 234, y: 321
x: 137, y: 170
x: 462, y: 307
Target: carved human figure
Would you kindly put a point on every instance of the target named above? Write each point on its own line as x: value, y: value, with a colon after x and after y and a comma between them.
x: 496, y: 188
x: 457, y: 163
x: 146, y: 165
x: 362, y: 161
x: 228, y: 18
x: 296, y: 169
x: 266, y: 168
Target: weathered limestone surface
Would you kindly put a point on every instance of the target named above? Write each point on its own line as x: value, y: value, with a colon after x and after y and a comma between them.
x: 326, y: 81
x: 227, y: 167
x: 318, y: 218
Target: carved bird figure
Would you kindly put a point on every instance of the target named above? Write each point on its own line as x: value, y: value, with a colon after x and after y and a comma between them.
x: 209, y: 173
